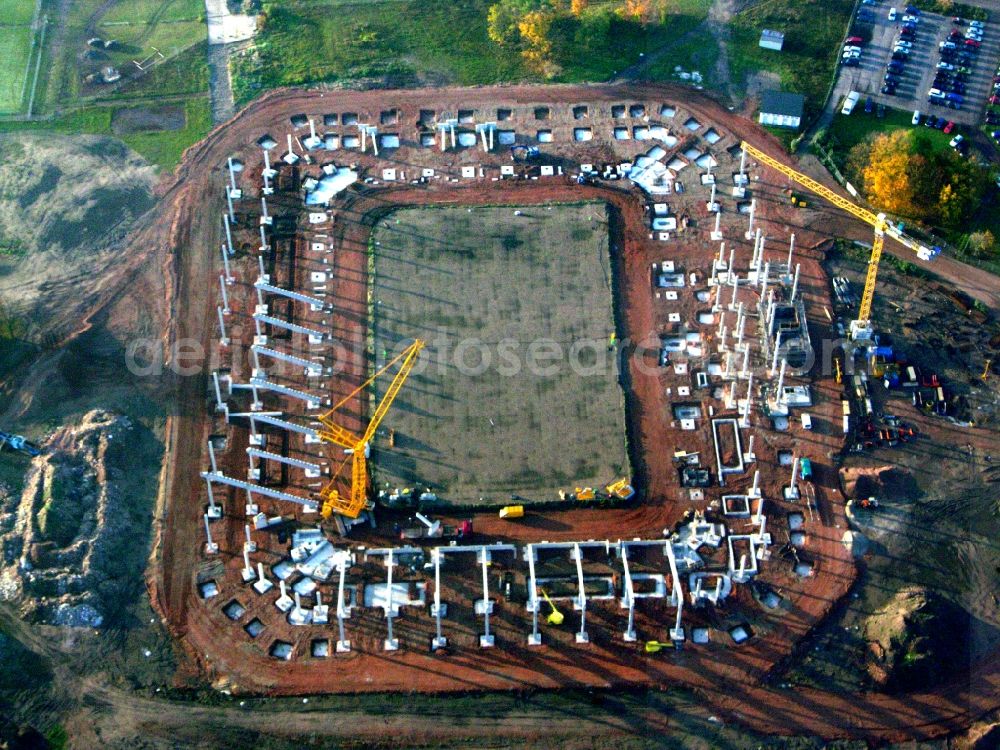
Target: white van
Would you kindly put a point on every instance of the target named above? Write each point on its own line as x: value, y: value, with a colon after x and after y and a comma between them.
x: 850, y: 102
x: 892, y: 14
x: 807, y: 422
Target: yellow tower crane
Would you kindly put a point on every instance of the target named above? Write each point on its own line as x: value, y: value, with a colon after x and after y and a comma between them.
x: 861, y: 329
x: 358, y: 448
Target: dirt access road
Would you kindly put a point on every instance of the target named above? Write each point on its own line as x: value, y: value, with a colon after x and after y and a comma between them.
x: 183, y: 226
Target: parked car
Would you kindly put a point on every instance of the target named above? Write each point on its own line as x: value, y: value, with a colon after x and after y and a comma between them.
x: 948, y: 127
x: 972, y: 43
x: 888, y: 90
x: 994, y: 100
x: 915, y: 120
x: 956, y: 141
x: 854, y: 40
x: 992, y: 118
x: 945, y: 66
x: 939, y: 123
x: 850, y: 102
x: 908, y: 18
x: 895, y: 66
x: 904, y: 43
x: 946, y: 45
x: 955, y: 35
x: 977, y: 25
x: 892, y: 14
x: 995, y: 135
x: 900, y: 54
x: 880, y: 111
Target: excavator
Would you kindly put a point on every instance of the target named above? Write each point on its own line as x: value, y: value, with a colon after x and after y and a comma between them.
x: 620, y: 489
x: 356, y: 447
x: 555, y: 616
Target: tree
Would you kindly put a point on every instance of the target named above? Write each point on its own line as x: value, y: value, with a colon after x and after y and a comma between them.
x: 504, y: 17
x: 576, y: 7
x: 982, y: 243
x: 534, y: 30
x: 636, y: 9
x: 887, y: 178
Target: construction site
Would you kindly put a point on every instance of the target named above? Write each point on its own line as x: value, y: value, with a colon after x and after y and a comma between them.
x: 531, y: 387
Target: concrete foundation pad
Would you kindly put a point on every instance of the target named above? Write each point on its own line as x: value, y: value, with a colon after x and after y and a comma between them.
x: 437, y: 643
x: 248, y: 575
x: 677, y: 634
x: 582, y: 638
x: 534, y: 640
x: 263, y: 586
x: 487, y: 641
x: 211, y: 549
x: 343, y: 647
x: 629, y: 637
x: 391, y: 644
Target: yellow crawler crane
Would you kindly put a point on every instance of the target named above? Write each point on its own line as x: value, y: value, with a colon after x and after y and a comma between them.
x: 356, y: 447
x: 861, y: 329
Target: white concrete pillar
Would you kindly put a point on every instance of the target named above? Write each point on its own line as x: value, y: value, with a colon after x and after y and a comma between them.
x: 795, y: 284
x: 211, y: 547
x: 791, y: 249
x: 774, y: 354
x: 219, y: 404
x: 249, y: 544
x: 779, y: 396
x: 223, y: 339
x: 225, y: 296
x: 753, y: 207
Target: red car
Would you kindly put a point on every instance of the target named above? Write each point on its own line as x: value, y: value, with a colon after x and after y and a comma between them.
x: 854, y: 40
x: 994, y: 99
x: 972, y: 43
x: 949, y: 126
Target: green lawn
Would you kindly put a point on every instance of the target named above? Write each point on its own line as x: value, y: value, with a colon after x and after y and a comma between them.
x: 17, y: 12
x: 848, y: 130
x: 162, y: 148
x: 412, y: 41
x: 806, y: 65
x: 15, y: 51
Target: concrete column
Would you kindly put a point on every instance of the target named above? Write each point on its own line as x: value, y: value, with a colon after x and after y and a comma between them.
x: 774, y: 355
x: 753, y: 207
x: 211, y: 547
x: 795, y: 284
x: 791, y: 249
x: 223, y: 339
x: 779, y: 397
x: 229, y: 235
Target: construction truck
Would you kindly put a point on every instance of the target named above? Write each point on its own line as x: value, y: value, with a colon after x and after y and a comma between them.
x: 620, y: 489
x: 429, y: 529
x: 512, y: 511
x: 617, y: 490
x: 19, y: 443
x: 521, y: 152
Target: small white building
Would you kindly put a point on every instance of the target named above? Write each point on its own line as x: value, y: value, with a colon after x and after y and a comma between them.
x: 772, y: 39
x: 781, y: 109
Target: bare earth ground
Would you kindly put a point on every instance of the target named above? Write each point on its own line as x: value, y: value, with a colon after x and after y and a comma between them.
x: 470, y: 426
x: 801, y: 711
x: 726, y: 685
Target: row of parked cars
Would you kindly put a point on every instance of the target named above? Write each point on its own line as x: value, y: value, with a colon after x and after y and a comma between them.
x: 958, y: 56
x: 901, y: 48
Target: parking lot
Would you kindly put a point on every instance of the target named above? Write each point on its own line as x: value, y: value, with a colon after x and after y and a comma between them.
x: 919, y: 69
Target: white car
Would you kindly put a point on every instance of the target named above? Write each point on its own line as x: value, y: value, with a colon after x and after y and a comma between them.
x: 945, y: 66
x: 911, y: 19
x: 977, y: 25
x: 850, y: 102
x: 946, y: 45
x: 956, y: 141
x: 904, y: 44
x: 973, y: 35
x: 850, y: 48
x: 915, y: 120
x: 892, y: 14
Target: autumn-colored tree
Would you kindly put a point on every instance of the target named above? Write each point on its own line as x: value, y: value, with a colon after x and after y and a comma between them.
x: 636, y: 9
x: 534, y: 30
x: 982, y: 243
x: 576, y: 7
x: 503, y: 18
x: 887, y: 176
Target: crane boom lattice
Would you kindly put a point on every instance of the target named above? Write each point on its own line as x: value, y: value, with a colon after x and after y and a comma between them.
x: 860, y: 328
x: 358, y: 446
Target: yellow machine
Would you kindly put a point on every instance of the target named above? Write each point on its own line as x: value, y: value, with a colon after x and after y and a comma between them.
x: 861, y: 329
x: 653, y: 647
x: 585, y: 493
x: 620, y: 489
x: 512, y: 511
x: 555, y: 616
x: 356, y: 447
